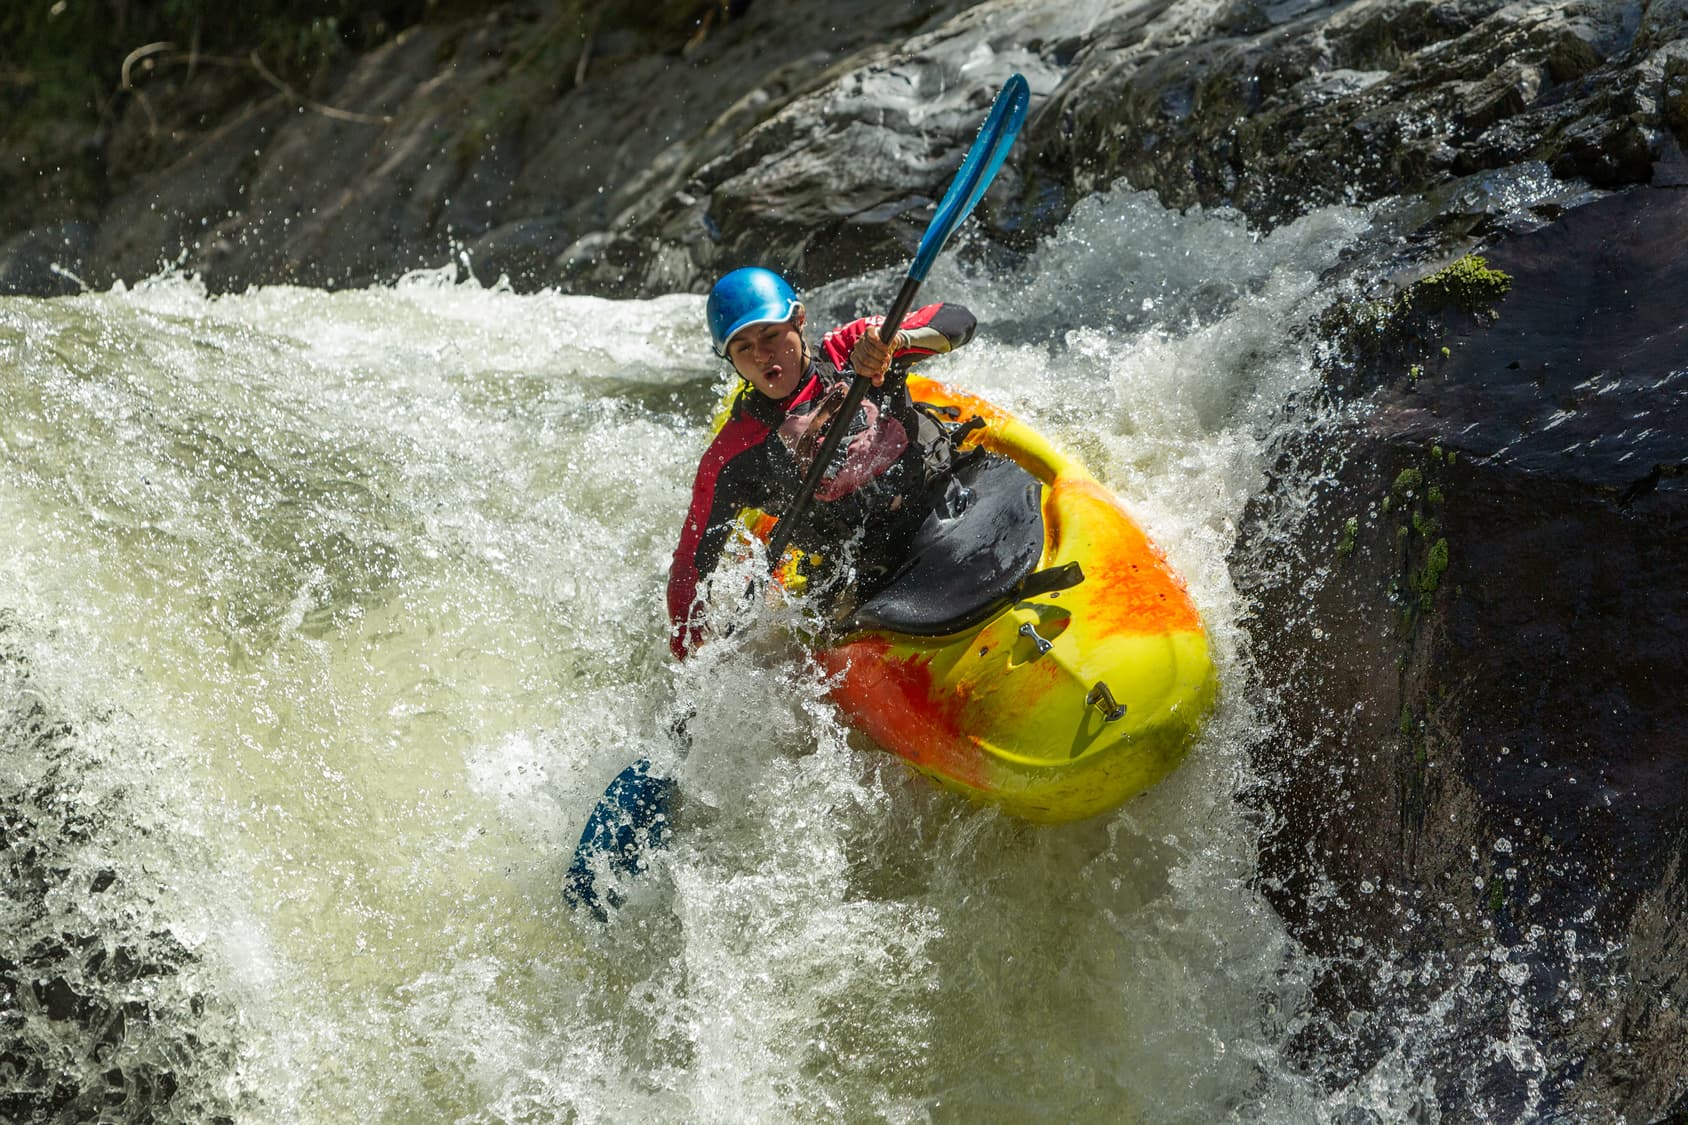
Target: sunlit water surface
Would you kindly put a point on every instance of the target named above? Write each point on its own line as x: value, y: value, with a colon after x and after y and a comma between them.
x: 347, y: 605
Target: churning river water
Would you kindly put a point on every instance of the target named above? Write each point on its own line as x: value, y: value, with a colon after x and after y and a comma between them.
x: 325, y: 617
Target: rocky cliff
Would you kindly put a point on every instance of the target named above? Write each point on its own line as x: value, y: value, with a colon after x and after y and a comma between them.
x: 1469, y: 646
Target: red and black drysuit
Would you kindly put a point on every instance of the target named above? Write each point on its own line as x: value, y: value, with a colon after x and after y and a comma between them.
x: 761, y: 455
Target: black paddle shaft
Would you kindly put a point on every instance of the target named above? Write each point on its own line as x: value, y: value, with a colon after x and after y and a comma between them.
x: 792, y: 520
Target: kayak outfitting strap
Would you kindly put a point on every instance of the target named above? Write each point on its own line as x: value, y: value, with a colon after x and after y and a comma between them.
x: 958, y: 434
x: 1048, y: 581
x: 1103, y: 700
x: 940, y: 437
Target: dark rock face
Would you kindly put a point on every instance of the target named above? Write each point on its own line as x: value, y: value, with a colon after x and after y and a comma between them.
x: 46, y: 261
x: 521, y: 139
x: 95, y: 1023
x: 622, y: 163
x: 1290, y: 106
x: 1471, y: 657
x: 815, y: 187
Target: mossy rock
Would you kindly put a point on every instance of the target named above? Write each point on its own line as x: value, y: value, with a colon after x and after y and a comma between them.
x: 1467, y: 284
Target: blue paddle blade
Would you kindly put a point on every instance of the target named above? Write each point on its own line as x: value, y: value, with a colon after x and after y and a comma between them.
x: 631, y: 819
x: 989, y: 150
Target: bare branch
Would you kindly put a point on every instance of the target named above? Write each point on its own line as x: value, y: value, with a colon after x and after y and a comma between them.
x: 314, y: 106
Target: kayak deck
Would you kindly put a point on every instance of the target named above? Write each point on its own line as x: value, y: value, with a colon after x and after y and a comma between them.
x: 1057, y: 706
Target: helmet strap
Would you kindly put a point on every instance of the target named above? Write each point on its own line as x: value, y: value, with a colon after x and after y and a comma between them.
x: 802, y: 340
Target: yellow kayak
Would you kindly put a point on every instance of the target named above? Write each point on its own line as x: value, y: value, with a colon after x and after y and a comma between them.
x: 1054, y: 698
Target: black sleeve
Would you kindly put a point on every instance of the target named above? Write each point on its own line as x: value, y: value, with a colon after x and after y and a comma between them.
x: 744, y: 484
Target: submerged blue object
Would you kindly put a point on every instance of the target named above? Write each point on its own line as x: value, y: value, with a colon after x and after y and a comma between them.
x: 990, y: 149
x: 748, y: 296
x: 630, y: 820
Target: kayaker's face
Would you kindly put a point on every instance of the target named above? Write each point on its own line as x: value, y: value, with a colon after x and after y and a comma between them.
x: 770, y: 356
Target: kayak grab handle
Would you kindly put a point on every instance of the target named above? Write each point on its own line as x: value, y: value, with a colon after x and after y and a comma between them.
x: 1103, y: 700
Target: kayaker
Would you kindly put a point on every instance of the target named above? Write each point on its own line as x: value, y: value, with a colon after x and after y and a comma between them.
x: 868, y: 503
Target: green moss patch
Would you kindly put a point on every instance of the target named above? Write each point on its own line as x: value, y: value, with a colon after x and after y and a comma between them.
x: 1468, y: 284
x: 1350, y: 529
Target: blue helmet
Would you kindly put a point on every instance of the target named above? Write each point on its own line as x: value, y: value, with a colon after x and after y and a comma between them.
x: 744, y: 297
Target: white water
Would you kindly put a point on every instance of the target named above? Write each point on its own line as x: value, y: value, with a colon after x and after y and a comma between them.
x: 352, y: 605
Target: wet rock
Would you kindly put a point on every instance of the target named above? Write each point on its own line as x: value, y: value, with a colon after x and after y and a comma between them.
x: 1302, y: 106
x: 1469, y: 646
x: 77, y: 1040
x: 524, y: 252
x: 533, y: 138
x: 841, y: 164
x: 510, y: 135
x: 46, y: 262
x: 823, y: 199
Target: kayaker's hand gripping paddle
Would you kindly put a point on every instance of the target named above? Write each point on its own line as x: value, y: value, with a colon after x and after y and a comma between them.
x: 633, y: 814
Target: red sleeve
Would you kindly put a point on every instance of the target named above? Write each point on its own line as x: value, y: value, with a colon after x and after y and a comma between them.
x: 736, y: 437
x: 953, y: 325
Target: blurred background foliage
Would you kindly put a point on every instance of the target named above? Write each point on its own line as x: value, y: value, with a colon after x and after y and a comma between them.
x: 95, y: 94
x: 63, y: 60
